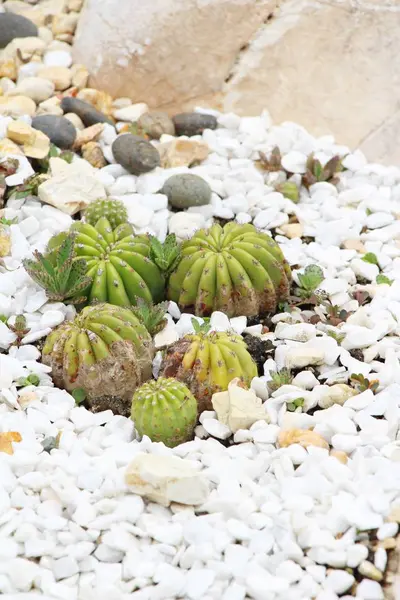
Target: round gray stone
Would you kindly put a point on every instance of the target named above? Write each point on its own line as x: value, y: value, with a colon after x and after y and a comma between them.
x: 15, y: 26
x: 192, y: 123
x: 155, y: 124
x: 59, y: 130
x: 186, y: 190
x: 86, y: 111
x: 135, y: 154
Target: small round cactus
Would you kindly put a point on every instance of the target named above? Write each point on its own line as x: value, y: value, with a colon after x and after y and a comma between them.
x: 113, y: 210
x: 207, y: 363
x: 105, y: 350
x: 119, y: 263
x: 235, y: 269
x: 165, y: 410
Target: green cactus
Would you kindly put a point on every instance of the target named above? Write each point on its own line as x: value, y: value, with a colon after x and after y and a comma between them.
x: 105, y: 350
x: 207, y: 362
x: 119, y: 263
x: 235, y: 269
x: 113, y: 210
x: 152, y: 316
x: 165, y: 410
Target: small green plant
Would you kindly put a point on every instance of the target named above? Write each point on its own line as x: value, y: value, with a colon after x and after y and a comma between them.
x: 278, y: 379
x: 151, y: 315
x: 298, y: 402
x: 29, y: 187
x: 79, y: 395
x: 290, y: 190
x: 273, y: 163
x: 44, y: 163
x: 362, y: 384
x: 370, y: 258
x: 167, y: 255
x: 201, y: 327
x: 315, y: 172
x: 383, y: 279
x: 32, y: 379
x: 339, y: 337
x: 62, y: 277
x: 8, y: 222
x: 19, y: 328
x: 309, y: 281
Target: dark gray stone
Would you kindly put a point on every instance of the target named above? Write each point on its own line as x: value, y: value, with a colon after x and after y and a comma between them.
x: 135, y: 154
x: 87, y: 112
x: 15, y: 26
x: 186, y: 190
x: 60, y: 131
x: 193, y: 123
x: 154, y: 124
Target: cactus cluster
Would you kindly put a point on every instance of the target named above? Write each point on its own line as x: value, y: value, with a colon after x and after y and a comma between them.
x: 119, y: 263
x: 105, y: 350
x: 113, y: 210
x: 165, y: 410
x: 207, y: 362
x: 235, y: 269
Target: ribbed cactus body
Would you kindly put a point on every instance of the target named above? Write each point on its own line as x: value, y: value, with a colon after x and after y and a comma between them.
x: 235, y: 269
x: 165, y: 410
x: 119, y: 263
x: 207, y: 362
x: 105, y: 350
x: 113, y: 210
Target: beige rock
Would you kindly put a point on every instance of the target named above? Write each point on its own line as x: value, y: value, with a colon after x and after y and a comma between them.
x: 182, y: 153
x: 328, y: 395
x: 299, y: 357
x: 45, y: 34
x: 64, y: 23
x: 71, y: 187
x: 80, y: 76
x: 75, y: 5
x: 36, y: 88
x: 75, y: 120
x: 166, y: 479
x: 388, y: 544
x: 292, y: 230
x: 9, y: 69
x: 304, y: 437
x: 354, y: 245
x: 130, y: 113
x: 20, y: 132
x: 394, y: 516
x: 39, y: 147
x: 7, y: 439
x: 340, y: 456
x: 89, y: 134
x: 238, y: 408
x: 52, y: 106
x: 16, y: 106
x: 369, y: 570
x: 8, y: 147
x: 6, y: 85
x: 93, y: 153
x: 24, y: 49
x: 100, y: 100
x: 5, y: 241
x: 60, y: 76
x: 27, y: 398
x: 124, y: 55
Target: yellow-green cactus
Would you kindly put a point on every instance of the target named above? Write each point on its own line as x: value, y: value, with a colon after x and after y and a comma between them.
x: 105, y: 350
x: 165, y: 410
x: 113, y: 210
x: 207, y: 362
x: 236, y: 269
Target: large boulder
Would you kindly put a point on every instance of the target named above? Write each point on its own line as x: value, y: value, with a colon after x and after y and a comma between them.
x: 164, y: 51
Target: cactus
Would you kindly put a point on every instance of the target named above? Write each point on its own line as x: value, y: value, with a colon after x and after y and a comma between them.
x: 152, y: 316
x: 316, y: 172
x: 235, y: 269
x: 119, y: 263
x: 113, y: 210
x: 207, y: 362
x: 61, y: 275
x: 165, y: 410
x: 105, y: 350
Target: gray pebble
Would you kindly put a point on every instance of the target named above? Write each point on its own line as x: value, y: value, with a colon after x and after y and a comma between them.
x: 86, y: 111
x: 59, y: 129
x: 193, y: 123
x: 155, y: 124
x: 186, y: 190
x: 135, y: 154
x: 15, y: 26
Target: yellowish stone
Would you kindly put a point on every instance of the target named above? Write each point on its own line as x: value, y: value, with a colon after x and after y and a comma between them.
x: 93, y: 153
x: 292, y: 230
x: 8, y: 68
x: 100, y: 100
x: 89, y: 134
x: 354, y: 245
x: 8, y: 147
x: 6, y: 440
x: 16, y: 106
x: 20, y: 132
x: 340, y: 456
x: 182, y: 153
x: 304, y: 437
x: 80, y: 76
x: 60, y: 76
x: 39, y: 147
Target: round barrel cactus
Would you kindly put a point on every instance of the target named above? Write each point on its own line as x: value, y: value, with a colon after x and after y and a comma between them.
x: 207, y: 362
x: 106, y: 351
x: 113, y: 210
x: 119, y: 263
x: 165, y: 410
x: 235, y: 269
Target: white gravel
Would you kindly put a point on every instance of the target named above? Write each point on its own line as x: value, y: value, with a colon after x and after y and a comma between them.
x: 279, y: 523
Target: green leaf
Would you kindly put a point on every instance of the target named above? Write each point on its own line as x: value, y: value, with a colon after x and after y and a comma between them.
x: 383, y: 279
x: 79, y: 395
x: 370, y: 258
x: 33, y: 379
x: 311, y: 278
